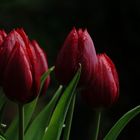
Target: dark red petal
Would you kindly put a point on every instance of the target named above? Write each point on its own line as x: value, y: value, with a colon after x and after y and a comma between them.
x: 24, y: 36
x: 12, y: 38
x: 35, y: 70
x: 66, y: 63
x: 114, y: 71
x: 9, y: 44
x: 18, y: 76
x: 87, y: 56
x: 42, y: 64
x: 111, y: 76
x: 6, y: 49
x: 103, y: 90
x: 78, y: 48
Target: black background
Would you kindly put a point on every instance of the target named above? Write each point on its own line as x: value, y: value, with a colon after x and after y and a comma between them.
x: 115, y: 29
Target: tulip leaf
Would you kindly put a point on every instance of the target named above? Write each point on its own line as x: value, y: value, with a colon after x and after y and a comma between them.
x: 2, y: 138
x: 121, y: 123
x: 30, y: 107
x: 54, y: 129
x: 28, y: 111
x: 68, y: 120
x: 41, y: 121
x: 45, y: 75
x: 1, y: 112
x: 2, y: 104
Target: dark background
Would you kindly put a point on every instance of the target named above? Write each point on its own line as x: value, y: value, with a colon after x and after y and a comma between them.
x: 115, y: 29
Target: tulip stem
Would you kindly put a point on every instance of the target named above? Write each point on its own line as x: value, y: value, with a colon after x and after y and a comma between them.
x: 96, y: 125
x: 21, y: 121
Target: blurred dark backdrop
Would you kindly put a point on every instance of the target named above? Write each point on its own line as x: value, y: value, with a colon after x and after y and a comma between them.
x: 115, y: 29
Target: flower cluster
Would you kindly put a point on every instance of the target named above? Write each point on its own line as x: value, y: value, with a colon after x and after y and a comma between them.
x: 99, y: 79
x: 22, y: 62
x: 24, y: 75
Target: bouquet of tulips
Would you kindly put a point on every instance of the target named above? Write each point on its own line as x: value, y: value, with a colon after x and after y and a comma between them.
x: 25, y: 77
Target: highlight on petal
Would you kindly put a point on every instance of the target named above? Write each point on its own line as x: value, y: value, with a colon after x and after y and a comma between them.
x: 2, y: 36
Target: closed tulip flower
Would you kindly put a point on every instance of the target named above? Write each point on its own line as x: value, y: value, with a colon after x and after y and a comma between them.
x: 78, y: 48
x: 103, y: 90
x: 21, y: 68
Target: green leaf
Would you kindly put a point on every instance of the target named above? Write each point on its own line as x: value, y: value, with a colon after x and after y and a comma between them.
x: 45, y: 75
x: 68, y: 120
x: 121, y: 123
x: 3, y: 101
x: 2, y: 112
x: 12, y: 131
x: 55, y: 126
x: 28, y: 111
x: 2, y: 138
x: 37, y: 127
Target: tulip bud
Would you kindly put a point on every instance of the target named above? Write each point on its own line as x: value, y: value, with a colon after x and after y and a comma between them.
x: 103, y: 90
x: 78, y: 48
x: 42, y: 64
x: 21, y: 68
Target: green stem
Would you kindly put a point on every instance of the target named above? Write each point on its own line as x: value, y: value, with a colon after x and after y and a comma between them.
x: 21, y: 121
x: 96, y: 125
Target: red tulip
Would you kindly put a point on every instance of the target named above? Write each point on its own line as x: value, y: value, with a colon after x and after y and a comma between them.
x: 21, y: 68
x: 103, y: 90
x: 78, y: 48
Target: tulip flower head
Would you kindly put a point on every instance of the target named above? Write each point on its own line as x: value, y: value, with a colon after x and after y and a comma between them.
x: 21, y: 69
x: 103, y: 90
x: 78, y: 48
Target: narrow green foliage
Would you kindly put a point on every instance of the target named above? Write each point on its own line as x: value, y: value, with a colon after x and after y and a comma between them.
x: 68, y: 120
x: 41, y: 121
x: 28, y: 111
x: 121, y: 123
x: 54, y: 129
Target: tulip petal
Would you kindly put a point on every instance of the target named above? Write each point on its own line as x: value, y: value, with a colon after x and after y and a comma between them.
x: 78, y: 48
x: 110, y: 77
x: 24, y: 36
x: 32, y: 58
x: 18, y: 76
x: 42, y: 64
x: 66, y: 63
x: 103, y: 89
x: 11, y: 39
x: 87, y: 55
x: 7, y: 48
